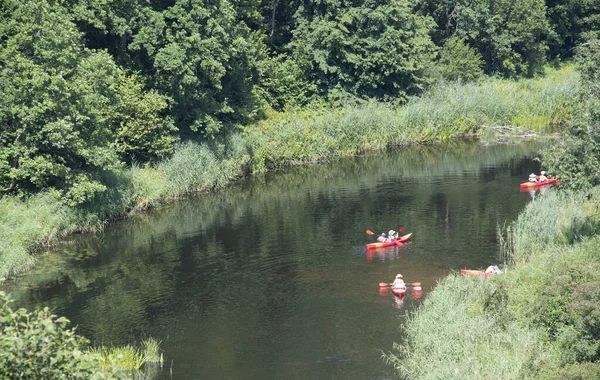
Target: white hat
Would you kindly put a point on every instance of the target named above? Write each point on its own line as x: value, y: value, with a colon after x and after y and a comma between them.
x: 543, y: 172
x: 391, y: 232
x: 398, y: 275
x: 532, y: 175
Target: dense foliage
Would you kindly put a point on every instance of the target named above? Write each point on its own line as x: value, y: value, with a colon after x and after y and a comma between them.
x: 509, y: 36
x: 68, y: 113
x: 576, y: 159
x: 90, y: 86
x: 40, y: 345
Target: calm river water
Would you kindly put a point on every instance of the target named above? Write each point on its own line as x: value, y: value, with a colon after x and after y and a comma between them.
x: 270, y: 279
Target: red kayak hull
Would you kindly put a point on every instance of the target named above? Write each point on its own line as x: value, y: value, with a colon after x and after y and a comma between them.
x: 531, y: 185
x: 398, y: 241
x: 475, y: 273
x: 399, y: 292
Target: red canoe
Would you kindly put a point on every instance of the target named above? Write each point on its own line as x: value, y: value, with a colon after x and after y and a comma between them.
x: 398, y: 241
x: 474, y: 273
x: 399, y: 292
x: 531, y: 185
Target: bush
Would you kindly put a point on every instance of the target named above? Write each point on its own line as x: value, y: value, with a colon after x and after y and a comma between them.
x: 40, y: 346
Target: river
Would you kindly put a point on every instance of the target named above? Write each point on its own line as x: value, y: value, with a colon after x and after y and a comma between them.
x: 270, y: 279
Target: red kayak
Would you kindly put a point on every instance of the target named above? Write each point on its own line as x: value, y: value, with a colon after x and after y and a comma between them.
x: 398, y: 241
x: 475, y: 273
x: 531, y: 185
x: 399, y: 292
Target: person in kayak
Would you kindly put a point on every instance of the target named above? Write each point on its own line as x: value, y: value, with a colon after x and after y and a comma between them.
x: 493, y: 269
x: 542, y: 177
x: 392, y: 235
x: 382, y: 238
x: 398, y: 282
x: 532, y: 178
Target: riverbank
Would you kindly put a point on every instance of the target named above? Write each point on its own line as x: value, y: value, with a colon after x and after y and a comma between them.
x: 447, y: 112
x: 538, y: 321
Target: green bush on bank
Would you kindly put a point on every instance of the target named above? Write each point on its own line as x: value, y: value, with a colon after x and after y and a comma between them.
x: 541, y: 320
x: 39, y: 345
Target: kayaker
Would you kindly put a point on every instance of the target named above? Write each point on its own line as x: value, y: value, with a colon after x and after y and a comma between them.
x: 382, y: 238
x: 391, y: 235
x: 532, y: 178
x: 493, y: 269
x: 398, y: 282
x: 543, y: 176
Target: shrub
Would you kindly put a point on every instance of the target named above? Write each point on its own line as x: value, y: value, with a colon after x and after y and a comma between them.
x: 40, y: 346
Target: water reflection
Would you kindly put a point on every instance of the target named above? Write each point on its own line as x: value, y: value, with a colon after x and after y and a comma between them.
x: 271, y: 278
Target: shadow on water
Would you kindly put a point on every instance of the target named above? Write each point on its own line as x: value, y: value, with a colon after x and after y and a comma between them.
x: 271, y: 278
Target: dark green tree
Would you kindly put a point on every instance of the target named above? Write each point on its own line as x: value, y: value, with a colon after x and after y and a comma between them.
x: 573, y: 22
x: 509, y: 35
x: 575, y: 159
x: 202, y: 58
x: 365, y: 49
x: 64, y: 120
x: 459, y: 61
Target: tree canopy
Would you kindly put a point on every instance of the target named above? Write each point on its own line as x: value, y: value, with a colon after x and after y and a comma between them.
x: 90, y: 86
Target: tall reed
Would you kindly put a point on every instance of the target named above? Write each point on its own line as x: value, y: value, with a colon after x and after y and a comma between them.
x: 539, y: 321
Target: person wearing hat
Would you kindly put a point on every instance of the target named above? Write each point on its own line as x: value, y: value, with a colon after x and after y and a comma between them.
x: 532, y: 178
x: 493, y: 269
x: 392, y: 235
x: 398, y: 282
x: 543, y: 176
x: 382, y: 238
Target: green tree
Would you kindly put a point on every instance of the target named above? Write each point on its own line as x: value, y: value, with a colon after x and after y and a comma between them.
x: 509, y: 35
x: 64, y: 120
x: 458, y: 61
x: 202, y: 59
x: 573, y: 22
x: 142, y: 132
x: 55, y: 105
x: 368, y: 49
x: 575, y: 159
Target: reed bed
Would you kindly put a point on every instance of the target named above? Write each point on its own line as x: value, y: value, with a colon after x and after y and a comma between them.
x: 129, y: 361
x: 539, y: 321
x: 451, y: 337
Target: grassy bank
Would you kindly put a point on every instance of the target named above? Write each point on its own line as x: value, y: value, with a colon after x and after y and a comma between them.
x: 446, y: 112
x: 539, y: 321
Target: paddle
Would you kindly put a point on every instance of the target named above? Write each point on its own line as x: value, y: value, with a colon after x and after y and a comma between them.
x: 384, y: 284
x: 369, y: 232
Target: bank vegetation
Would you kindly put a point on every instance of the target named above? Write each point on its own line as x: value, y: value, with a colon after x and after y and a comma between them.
x: 541, y: 320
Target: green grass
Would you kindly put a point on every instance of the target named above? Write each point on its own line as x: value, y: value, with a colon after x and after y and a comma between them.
x: 450, y: 337
x: 129, y: 361
x: 447, y: 111
x: 539, y: 321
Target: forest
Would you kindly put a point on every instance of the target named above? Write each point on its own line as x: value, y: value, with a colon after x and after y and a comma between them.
x: 92, y: 87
